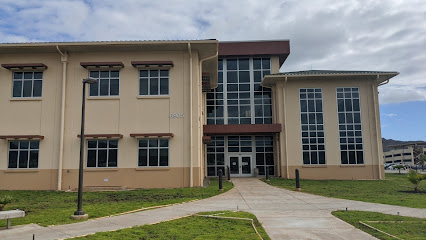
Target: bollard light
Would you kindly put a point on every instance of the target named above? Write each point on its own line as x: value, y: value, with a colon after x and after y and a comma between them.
x: 220, y: 180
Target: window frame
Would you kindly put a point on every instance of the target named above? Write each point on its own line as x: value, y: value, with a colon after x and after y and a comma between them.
x: 98, y: 84
x: 353, y: 124
x: 32, y: 83
x: 19, y: 150
x: 97, y: 153
x: 257, y: 98
x: 159, y: 77
x: 159, y: 148
x: 316, y: 127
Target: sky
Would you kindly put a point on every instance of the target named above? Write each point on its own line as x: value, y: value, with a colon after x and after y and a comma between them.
x: 387, y: 35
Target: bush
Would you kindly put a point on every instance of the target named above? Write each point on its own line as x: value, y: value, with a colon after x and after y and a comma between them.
x: 415, y: 178
x: 4, y: 201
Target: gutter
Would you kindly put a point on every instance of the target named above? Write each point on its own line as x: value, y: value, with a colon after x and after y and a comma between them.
x: 64, y: 60
x: 285, y: 127
x: 200, y: 108
x: 191, y: 181
x: 377, y: 127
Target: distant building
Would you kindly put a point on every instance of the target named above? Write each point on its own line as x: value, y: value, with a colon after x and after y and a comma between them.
x: 405, y: 153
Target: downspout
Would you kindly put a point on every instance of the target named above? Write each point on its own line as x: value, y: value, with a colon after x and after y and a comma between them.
x: 64, y: 60
x: 191, y: 182
x: 377, y: 128
x: 200, y: 89
x: 285, y: 127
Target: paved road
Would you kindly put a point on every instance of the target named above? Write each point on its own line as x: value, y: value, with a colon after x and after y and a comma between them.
x: 284, y: 215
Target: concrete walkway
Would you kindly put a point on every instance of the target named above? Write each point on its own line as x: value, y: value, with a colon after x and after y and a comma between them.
x: 284, y: 215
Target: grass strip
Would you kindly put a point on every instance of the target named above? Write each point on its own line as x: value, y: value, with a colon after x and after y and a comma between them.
x: 397, y: 226
x: 395, y: 190
x: 55, y: 207
x: 192, y: 227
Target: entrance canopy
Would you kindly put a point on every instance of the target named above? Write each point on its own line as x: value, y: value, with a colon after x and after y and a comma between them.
x: 242, y: 129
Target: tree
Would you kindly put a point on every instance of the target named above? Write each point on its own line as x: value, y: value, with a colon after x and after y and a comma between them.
x: 399, y: 167
x: 415, y: 178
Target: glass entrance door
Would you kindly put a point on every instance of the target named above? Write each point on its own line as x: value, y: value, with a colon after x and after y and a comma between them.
x: 240, y: 166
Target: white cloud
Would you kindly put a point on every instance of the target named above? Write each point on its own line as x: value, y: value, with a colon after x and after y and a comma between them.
x: 325, y: 34
x: 390, y: 115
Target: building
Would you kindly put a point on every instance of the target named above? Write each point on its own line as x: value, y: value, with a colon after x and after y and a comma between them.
x: 405, y: 153
x: 171, y: 113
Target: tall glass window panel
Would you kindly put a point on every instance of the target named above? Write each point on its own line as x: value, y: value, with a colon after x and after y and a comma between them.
x: 262, y: 96
x: 27, y: 84
x: 312, y: 126
x: 215, y: 103
x: 153, y: 82
x: 153, y: 152
x: 216, y: 156
x: 350, y: 129
x: 23, y: 154
x: 108, y: 84
x: 102, y: 153
x: 238, y: 90
x: 265, y: 154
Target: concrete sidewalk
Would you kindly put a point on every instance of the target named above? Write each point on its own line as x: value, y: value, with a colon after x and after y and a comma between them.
x: 284, y: 214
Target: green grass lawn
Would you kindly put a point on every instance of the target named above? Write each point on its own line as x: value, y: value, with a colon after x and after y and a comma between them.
x: 409, y: 228
x: 395, y: 190
x: 193, y: 227
x: 55, y: 207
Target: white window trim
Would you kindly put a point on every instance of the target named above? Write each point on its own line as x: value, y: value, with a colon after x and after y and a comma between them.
x: 109, y: 96
x: 32, y: 85
x: 97, y: 149
x: 316, y: 126
x: 19, y: 152
x: 251, y: 92
x: 362, y: 138
x: 158, y: 95
x: 158, y: 148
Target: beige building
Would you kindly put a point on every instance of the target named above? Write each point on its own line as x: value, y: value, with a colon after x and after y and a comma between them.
x: 171, y: 113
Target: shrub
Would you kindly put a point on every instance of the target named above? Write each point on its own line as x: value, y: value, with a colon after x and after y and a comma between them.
x: 415, y: 178
x: 4, y: 201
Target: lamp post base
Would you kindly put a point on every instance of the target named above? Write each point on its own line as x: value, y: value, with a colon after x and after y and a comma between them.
x: 80, y: 217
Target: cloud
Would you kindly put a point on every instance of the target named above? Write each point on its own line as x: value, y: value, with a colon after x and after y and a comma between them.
x: 391, y: 115
x: 324, y: 34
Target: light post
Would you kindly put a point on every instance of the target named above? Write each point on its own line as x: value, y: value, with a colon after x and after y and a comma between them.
x: 79, y: 214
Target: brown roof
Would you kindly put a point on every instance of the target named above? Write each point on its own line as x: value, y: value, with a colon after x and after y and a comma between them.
x: 136, y: 135
x: 21, y: 137
x: 278, y: 48
x: 101, y: 135
x: 24, y: 65
x: 101, y: 64
x: 151, y: 63
x: 242, y: 129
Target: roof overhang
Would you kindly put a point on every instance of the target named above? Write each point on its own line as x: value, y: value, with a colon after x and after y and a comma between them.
x: 204, y: 49
x: 378, y: 77
x: 280, y: 48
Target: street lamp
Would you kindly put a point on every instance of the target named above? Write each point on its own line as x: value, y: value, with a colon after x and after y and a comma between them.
x: 79, y: 214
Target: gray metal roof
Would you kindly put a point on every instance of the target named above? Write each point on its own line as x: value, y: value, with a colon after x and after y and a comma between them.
x: 331, y: 72
x: 111, y: 41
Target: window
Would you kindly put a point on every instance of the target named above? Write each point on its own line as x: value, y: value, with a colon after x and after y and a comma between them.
x: 108, y: 85
x: 262, y: 96
x: 239, y: 98
x: 216, y: 156
x: 265, y: 154
x: 102, y: 153
x: 153, y: 82
x: 350, y: 132
x: 215, y: 103
x: 23, y: 154
x: 312, y: 122
x: 153, y: 153
x: 27, y: 84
